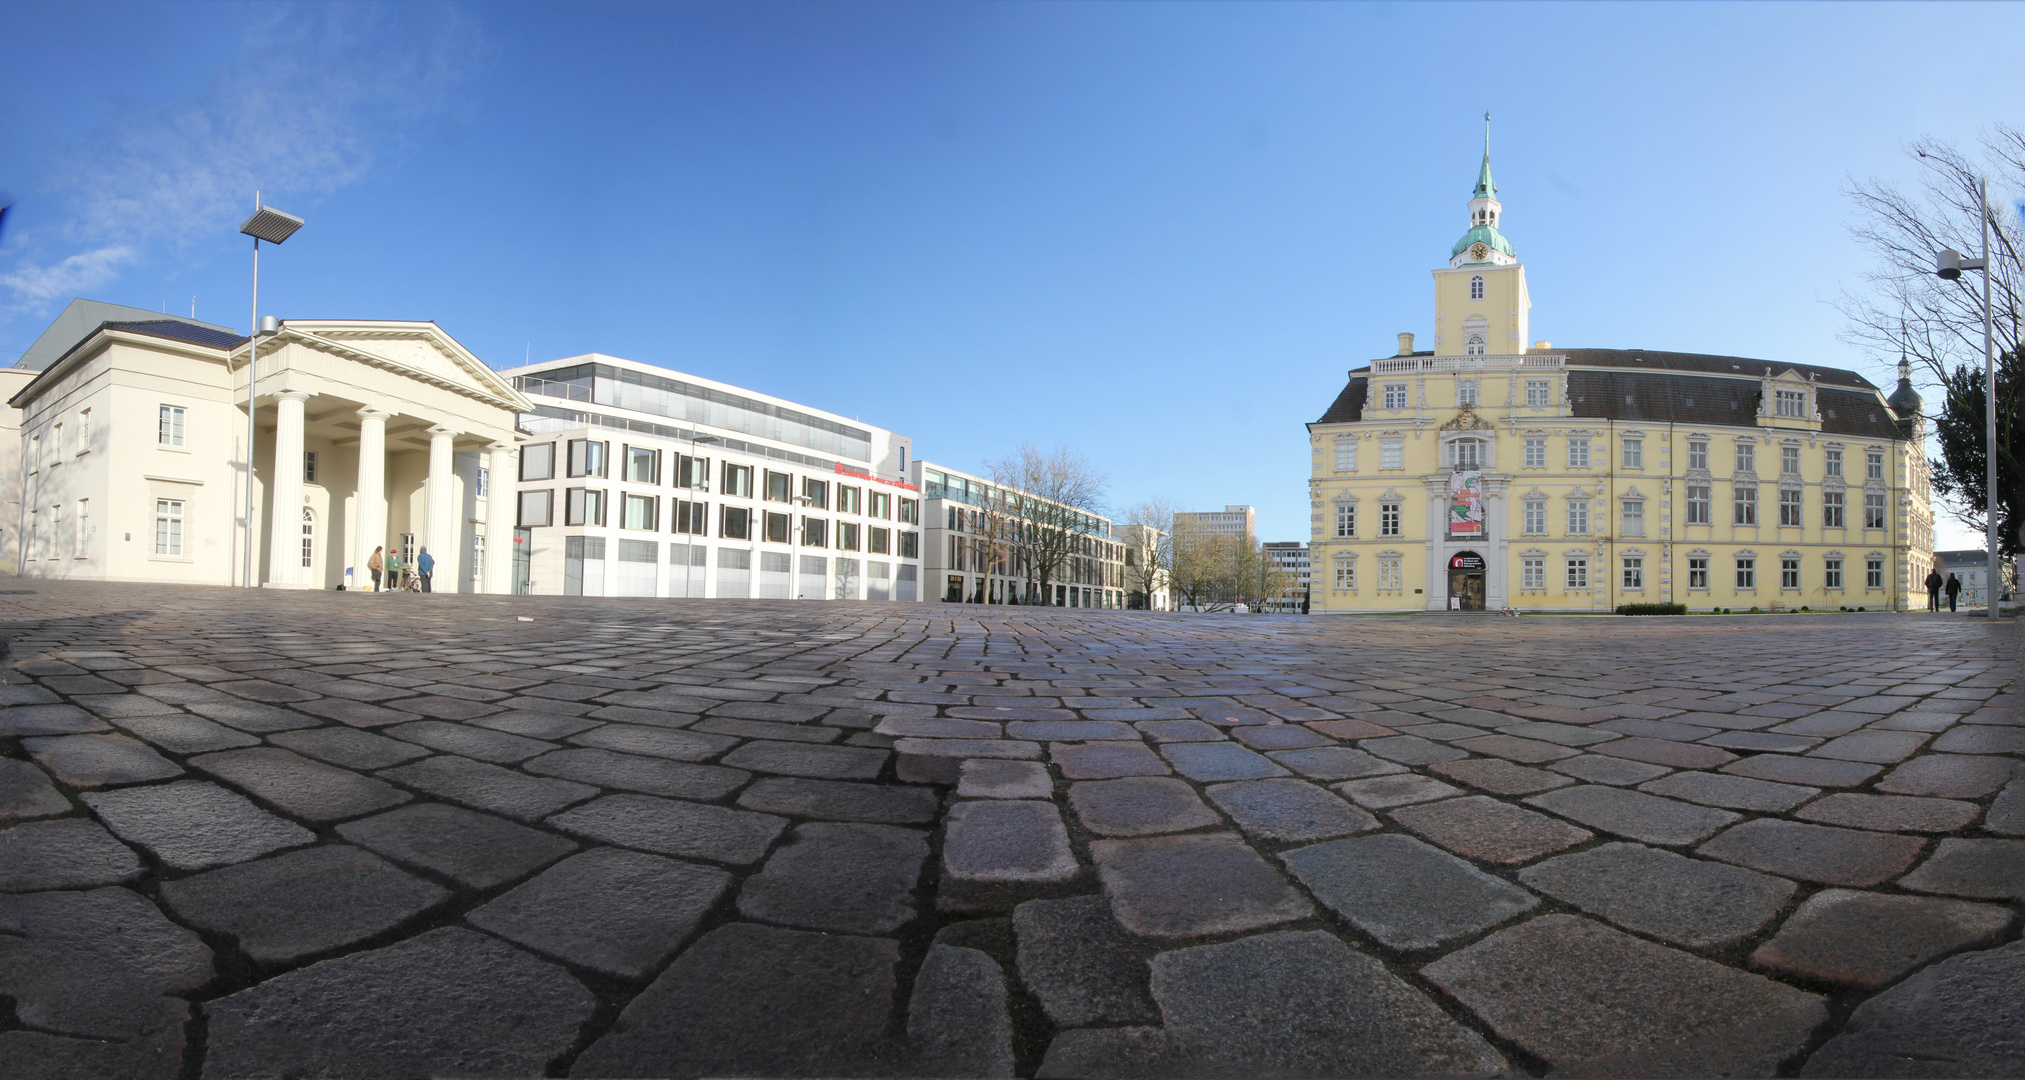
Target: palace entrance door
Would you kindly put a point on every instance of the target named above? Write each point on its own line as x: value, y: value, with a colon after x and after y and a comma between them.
x: 1466, y: 581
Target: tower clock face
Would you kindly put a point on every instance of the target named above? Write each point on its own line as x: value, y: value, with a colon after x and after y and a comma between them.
x: 1479, y: 250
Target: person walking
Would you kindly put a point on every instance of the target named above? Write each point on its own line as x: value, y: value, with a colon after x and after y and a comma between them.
x: 425, y: 565
x: 376, y: 565
x: 1934, y: 583
x: 1954, y: 590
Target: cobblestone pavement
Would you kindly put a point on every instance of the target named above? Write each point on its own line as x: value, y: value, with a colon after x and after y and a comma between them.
x: 307, y: 834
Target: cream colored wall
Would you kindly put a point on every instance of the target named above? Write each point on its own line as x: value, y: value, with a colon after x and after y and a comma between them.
x: 1667, y: 542
x: 1505, y: 308
x: 11, y: 381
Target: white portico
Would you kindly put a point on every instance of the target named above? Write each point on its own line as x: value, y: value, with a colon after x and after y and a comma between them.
x: 368, y: 434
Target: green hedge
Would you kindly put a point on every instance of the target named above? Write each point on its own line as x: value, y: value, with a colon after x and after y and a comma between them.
x: 1652, y: 609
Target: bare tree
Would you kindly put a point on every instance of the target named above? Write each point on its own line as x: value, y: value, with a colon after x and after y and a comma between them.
x: 1149, y: 553
x: 1938, y: 325
x: 1050, y: 502
x: 994, y: 528
x: 1197, y: 569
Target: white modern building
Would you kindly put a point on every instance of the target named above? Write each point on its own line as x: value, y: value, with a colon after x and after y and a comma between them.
x: 1290, y: 556
x: 1973, y: 567
x: 1230, y: 521
x: 134, y: 455
x: 970, y: 566
x: 635, y: 480
x: 1146, y: 546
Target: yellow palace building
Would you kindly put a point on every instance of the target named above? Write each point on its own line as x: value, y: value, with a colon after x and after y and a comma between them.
x: 1487, y: 473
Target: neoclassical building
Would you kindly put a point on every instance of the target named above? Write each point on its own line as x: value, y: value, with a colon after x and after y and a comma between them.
x: 1489, y: 472
x: 368, y: 434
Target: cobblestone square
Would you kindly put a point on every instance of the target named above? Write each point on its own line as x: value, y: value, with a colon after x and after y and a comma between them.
x: 310, y: 834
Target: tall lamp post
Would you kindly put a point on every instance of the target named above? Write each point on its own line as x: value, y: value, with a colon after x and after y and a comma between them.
x: 1948, y: 265
x: 273, y: 226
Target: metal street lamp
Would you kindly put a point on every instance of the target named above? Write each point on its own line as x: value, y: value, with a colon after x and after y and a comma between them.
x: 273, y: 226
x: 1948, y: 265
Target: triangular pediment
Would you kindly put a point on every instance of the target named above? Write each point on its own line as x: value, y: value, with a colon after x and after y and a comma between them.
x: 417, y: 350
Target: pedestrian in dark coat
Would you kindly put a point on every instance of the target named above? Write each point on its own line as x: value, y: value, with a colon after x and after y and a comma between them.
x: 1954, y: 590
x: 1934, y: 583
x: 425, y: 565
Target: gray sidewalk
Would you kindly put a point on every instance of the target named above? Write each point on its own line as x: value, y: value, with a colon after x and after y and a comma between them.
x: 270, y: 833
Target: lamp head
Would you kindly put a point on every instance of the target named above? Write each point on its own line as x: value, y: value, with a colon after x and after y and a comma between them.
x: 1948, y: 264
x: 271, y: 225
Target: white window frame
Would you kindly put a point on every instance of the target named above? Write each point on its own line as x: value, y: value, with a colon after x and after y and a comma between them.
x: 1744, y: 505
x: 1634, y: 454
x: 1346, y: 520
x: 1346, y: 456
x: 170, y: 516
x: 1391, y: 454
x: 1789, y: 461
x: 1832, y: 463
x: 1831, y: 573
x: 1834, y: 510
x: 1391, y: 575
x: 1476, y: 286
x: 1873, y: 510
x: 1791, y: 404
x: 1698, y: 454
x: 171, y: 423
x: 1578, y: 571
x: 1698, y: 572
x: 1700, y: 502
x: 1536, y: 453
x: 1466, y: 392
x: 1747, y: 572
x: 1634, y: 572
x: 1389, y: 518
x: 1578, y: 452
x: 1535, y: 520
x: 1873, y: 464
x: 1873, y: 572
x: 1539, y: 393
x: 1789, y: 572
x: 1395, y: 395
x: 1634, y: 517
x: 1533, y: 572
x: 1578, y: 517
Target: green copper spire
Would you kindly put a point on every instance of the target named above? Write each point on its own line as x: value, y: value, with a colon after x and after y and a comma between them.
x: 1486, y: 188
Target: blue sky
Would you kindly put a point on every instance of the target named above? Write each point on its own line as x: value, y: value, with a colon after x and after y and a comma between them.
x: 1157, y: 233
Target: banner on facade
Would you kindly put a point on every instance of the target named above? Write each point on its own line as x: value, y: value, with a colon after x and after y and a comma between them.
x: 1466, y: 503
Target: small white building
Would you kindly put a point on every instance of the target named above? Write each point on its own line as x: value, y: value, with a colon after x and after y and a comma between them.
x: 1973, y: 567
x: 1148, y: 584
x: 637, y: 480
x: 134, y: 455
x: 970, y: 568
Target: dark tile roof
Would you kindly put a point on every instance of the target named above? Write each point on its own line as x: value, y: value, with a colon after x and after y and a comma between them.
x: 1686, y: 388
x: 181, y: 331
x: 1348, y: 404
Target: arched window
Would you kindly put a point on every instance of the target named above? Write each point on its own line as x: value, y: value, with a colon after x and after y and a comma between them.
x: 1477, y: 287
x: 308, y: 538
x: 1475, y: 346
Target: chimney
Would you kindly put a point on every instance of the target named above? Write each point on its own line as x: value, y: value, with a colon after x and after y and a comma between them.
x: 1406, y: 344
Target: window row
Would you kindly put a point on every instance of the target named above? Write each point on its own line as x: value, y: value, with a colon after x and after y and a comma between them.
x: 589, y: 507
x: 1746, y: 567
x: 587, y: 458
x: 1474, y: 453
x: 1539, y: 392
x: 1744, y: 507
x: 1388, y: 519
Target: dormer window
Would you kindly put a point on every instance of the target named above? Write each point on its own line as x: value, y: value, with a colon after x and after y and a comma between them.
x: 1789, y: 403
x: 1476, y: 287
x: 1475, y: 345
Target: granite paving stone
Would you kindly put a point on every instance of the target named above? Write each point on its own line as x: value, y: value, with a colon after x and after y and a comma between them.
x: 1558, y: 734
x: 622, y: 913
x: 111, y: 932
x: 1872, y: 745
x: 1960, y: 1017
x: 1804, y: 771
x: 194, y: 824
x: 675, y: 744
x: 1404, y: 893
x: 1334, y: 763
x: 69, y: 853
x: 1980, y: 869
x: 1530, y: 751
x: 1634, y: 815
x: 997, y: 852
x: 815, y: 762
x: 1138, y: 806
x: 302, y: 903
x: 2007, y: 811
x: 1482, y: 828
x: 1597, y: 769
x: 25, y: 720
x: 1295, y: 1004
x: 631, y: 772
x: 1499, y: 777
x: 1441, y: 732
x: 299, y: 787
x: 91, y: 761
x: 1589, y: 1000
x: 1192, y: 885
x: 181, y: 733
x: 1819, y: 853
x: 767, y: 729
x: 938, y: 727
x: 1285, y: 809
x: 1071, y: 731
x: 1219, y: 761
x: 1982, y: 739
x: 843, y: 877
x: 1279, y: 737
x: 996, y: 778
x: 670, y: 827
x: 1411, y: 750
x: 1381, y: 792
x: 751, y: 1000
x: 1351, y: 729
x: 25, y: 792
x: 466, y: 740
x: 477, y: 851
x: 1891, y: 813
x: 345, y: 711
x: 250, y: 718
x: 1730, y: 792
x: 1106, y: 760
x: 1689, y: 902
x: 835, y: 800
x: 1949, y: 776
x: 1178, y: 730
x: 1081, y: 965
x: 447, y: 1002
x: 489, y: 787
x: 1762, y: 742
x: 1843, y: 937
x: 957, y: 1018
x: 535, y: 725
x: 1673, y: 755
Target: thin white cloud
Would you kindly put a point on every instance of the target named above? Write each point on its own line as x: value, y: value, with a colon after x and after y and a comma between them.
x: 321, y: 97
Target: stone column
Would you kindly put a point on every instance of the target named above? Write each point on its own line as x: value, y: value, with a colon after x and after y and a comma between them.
x: 1437, y: 544
x: 440, y: 533
x: 372, y: 493
x: 501, y: 495
x: 1497, y: 550
x: 284, y: 506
